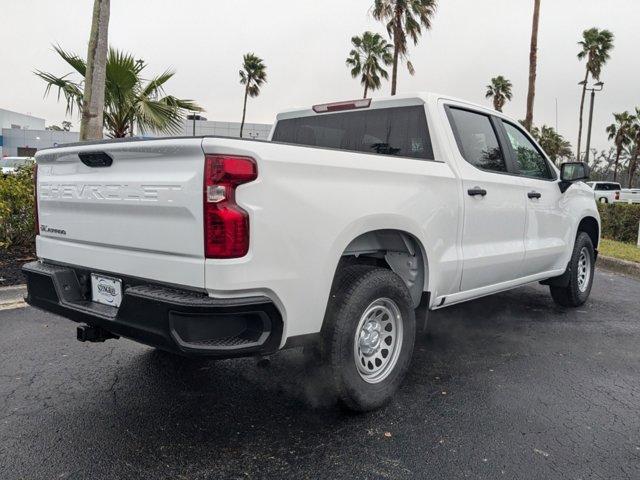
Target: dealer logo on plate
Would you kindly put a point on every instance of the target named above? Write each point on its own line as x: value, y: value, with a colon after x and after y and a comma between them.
x: 108, y: 289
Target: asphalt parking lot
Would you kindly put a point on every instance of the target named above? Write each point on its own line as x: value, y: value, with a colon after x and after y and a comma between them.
x: 509, y: 386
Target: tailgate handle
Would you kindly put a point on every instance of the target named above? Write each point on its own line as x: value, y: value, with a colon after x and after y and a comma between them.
x: 96, y: 159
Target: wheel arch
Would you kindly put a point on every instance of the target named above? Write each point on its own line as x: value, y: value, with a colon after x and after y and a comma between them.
x: 396, y: 249
x: 591, y: 227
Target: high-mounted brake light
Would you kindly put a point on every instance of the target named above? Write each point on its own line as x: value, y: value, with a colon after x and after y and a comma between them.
x: 226, y: 225
x: 338, y: 106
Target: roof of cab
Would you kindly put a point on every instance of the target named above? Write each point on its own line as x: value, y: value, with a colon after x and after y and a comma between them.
x: 406, y: 99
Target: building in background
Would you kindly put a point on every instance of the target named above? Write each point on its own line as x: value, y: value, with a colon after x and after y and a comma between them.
x: 16, y: 121
x: 9, y: 119
x: 258, y: 131
x: 25, y: 143
x: 23, y: 135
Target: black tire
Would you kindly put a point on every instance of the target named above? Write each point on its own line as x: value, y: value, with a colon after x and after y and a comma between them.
x: 354, y: 292
x: 573, y: 295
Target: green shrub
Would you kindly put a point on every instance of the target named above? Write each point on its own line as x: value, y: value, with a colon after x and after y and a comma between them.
x: 17, y: 229
x: 620, y: 221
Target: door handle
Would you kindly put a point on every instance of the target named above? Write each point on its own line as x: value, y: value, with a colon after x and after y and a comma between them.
x: 477, y: 191
x: 534, y: 194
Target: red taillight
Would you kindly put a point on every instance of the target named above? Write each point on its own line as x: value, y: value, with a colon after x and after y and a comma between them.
x: 226, y: 225
x: 35, y: 198
x: 617, y: 195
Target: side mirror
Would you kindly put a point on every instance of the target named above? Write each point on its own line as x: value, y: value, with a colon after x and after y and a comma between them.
x: 574, y: 171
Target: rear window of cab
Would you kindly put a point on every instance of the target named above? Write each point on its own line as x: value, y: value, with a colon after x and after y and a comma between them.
x: 610, y: 187
x: 398, y: 131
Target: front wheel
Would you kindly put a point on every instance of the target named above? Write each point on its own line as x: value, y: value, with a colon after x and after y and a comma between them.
x: 368, y: 336
x: 581, y: 269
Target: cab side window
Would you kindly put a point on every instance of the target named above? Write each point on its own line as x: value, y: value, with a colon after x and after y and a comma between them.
x: 477, y: 139
x: 529, y: 161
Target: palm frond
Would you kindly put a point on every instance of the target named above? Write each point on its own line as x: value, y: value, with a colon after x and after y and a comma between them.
x: 129, y: 100
x: 72, y: 91
x: 253, y: 74
x: 412, y: 71
x: 77, y: 63
x: 155, y: 86
x: 157, y: 116
x: 405, y: 19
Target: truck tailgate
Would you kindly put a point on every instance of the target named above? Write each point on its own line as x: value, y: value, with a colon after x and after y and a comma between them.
x: 140, y: 216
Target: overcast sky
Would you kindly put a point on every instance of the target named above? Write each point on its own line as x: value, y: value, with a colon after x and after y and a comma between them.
x: 304, y: 44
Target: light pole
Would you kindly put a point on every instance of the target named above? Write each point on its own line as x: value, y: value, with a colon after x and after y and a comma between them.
x: 596, y: 88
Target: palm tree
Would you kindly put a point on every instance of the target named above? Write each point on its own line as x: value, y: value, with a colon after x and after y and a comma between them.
x: 596, y: 46
x: 500, y: 90
x: 635, y: 151
x: 404, y: 18
x: 552, y: 143
x: 91, y: 122
x: 533, y: 65
x: 129, y: 101
x: 253, y: 75
x: 620, y: 132
x: 369, y: 51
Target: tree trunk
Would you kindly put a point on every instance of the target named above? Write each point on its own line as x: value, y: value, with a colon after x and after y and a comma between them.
x: 366, y: 88
x: 615, y: 165
x: 394, y: 73
x: 584, y: 94
x: 244, y: 109
x: 91, y: 123
x: 634, y: 164
x: 396, y: 50
x: 533, y: 63
x: 497, y: 104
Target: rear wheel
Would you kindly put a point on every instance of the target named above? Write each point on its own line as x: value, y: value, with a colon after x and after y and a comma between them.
x: 368, y: 336
x: 581, y: 268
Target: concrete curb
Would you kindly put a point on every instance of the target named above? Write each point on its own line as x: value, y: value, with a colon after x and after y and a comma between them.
x: 619, y: 266
x: 12, y: 296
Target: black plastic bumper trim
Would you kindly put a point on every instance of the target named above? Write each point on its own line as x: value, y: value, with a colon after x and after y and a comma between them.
x: 303, y: 340
x: 172, y: 319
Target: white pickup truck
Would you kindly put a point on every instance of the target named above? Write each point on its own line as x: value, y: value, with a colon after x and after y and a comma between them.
x: 354, y: 218
x: 606, y: 192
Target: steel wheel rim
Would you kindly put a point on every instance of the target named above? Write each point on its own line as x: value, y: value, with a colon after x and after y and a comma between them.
x: 584, y: 269
x: 378, y: 340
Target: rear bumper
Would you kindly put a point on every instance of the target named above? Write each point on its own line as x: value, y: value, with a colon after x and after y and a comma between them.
x: 179, y: 321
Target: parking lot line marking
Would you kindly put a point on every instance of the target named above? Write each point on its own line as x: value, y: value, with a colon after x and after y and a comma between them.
x: 12, y: 305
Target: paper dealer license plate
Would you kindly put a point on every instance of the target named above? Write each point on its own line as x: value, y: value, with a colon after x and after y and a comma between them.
x: 106, y: 290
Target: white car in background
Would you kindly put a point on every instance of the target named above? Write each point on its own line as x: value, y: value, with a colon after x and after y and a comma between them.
x: 605, y: 192
x: 10, y: 165
x: 630, y: 195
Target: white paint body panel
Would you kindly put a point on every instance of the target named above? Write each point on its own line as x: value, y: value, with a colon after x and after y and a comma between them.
x: 630, y: 195
x: 142, y: 217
